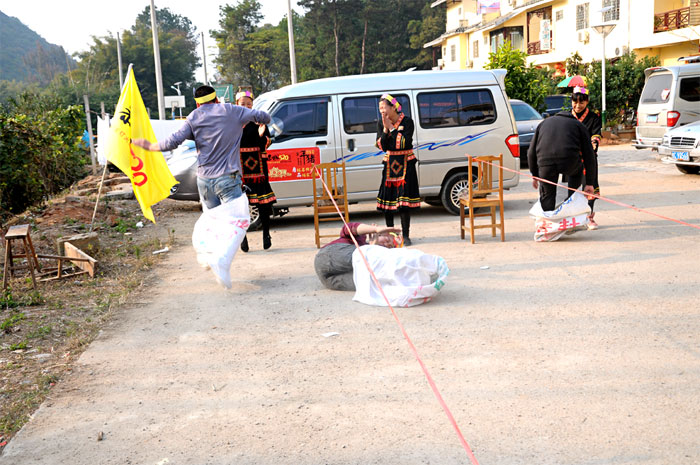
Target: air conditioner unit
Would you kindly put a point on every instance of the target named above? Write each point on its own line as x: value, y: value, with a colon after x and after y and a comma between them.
x: 440, y: 62
x: 511, y: 2
x: 583, y: 36
x: 470, y: 64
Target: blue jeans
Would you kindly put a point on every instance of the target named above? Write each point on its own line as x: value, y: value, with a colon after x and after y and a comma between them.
x: 214, y: 192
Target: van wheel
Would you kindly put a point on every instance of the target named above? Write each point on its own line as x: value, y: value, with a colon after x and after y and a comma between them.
x: 686, y: 169
x: 255, y: 222
x: 451, y: 191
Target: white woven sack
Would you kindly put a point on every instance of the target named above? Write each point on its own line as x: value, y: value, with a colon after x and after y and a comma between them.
x: 409, y: 277
x: 218, y: 234
x: 570, y: 216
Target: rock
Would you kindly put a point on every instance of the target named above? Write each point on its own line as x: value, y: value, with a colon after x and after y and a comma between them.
x: 73, y: 198
x: 43, y: 357
x: 87, y: 242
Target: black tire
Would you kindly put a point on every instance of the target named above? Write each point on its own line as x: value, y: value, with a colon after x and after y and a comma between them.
x: 451, y: 191
x: 255, y: 222
x: 688, y: 169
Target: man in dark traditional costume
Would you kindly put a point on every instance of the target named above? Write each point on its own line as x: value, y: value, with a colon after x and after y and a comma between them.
x: 254, y: 143
x: 592, y: 122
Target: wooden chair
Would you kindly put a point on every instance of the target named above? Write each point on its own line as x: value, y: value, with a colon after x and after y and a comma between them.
x: 19, y: 234
x: 332, y: 174
x: 479, y: 195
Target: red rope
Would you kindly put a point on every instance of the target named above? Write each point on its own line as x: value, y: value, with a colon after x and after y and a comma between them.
x: 433, y: 386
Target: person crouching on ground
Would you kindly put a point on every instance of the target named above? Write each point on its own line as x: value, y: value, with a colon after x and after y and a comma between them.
x: 254, y: 142
x: 216, y: 129
x: 556, y: 148
x: 590, y: 119
x: 333, y: 263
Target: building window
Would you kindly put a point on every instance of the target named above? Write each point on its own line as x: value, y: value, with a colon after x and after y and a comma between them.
x: 512, y: 34
x: 476, y: 49
x: 560, y: 15
x: 582, y: 16
x: 453, y: 52
x: 539, y: 31
x: 459, y: 11
x: 613, y: 14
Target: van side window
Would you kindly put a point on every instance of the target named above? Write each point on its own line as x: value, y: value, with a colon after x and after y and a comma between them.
x: 301, y: 118
x: 657, y: 89
x: 457, y: 108
x: 360, y: 114
x: 690, y: 89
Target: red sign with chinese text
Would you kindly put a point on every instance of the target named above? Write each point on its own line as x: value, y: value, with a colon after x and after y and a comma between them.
x: 292, y: 164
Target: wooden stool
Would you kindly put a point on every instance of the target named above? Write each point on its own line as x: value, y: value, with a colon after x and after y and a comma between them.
x: 19, y: 233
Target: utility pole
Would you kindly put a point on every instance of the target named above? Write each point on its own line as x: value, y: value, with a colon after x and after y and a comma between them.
x: 290, y: 31
x: 119, y: 60
x: 156, y: 58
x: 204, y: 60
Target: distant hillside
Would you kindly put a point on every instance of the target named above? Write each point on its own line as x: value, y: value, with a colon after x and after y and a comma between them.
x: 25, y: 56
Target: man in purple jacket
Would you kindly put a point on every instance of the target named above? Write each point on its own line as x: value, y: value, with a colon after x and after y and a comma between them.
x: 216, y: 129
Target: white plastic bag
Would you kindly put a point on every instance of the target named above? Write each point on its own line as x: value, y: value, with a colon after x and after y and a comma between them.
x: 408, y: 276
x: 570, y: 216
x: 218, y: 234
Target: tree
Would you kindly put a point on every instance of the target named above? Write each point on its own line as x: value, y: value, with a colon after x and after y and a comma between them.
x: 526, y: 83
x: 97, y: 74
x: 624, y: 81
x: 429, y: 26
x: 575, y: 65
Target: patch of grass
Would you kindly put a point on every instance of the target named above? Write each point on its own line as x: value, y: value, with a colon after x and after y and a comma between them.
x: 40, y: 332
x: 20, y: 345
x: 11, y: 321
x: 19, y: 411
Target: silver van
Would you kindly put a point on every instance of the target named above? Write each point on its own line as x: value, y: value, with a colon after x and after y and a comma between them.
x: 335, y: 119
x: 670, y: 98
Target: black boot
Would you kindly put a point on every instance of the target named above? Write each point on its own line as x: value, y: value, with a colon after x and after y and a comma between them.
x: 244, y: 244
x: 265, y: 213
x: 406, y: 226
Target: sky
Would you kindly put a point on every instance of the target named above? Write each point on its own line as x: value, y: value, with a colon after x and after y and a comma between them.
x: 72, y: 23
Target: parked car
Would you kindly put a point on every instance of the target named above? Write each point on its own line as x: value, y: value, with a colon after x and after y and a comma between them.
x: 183, y: 165
x: 670, y: 98
x: 527, y: 119
x: 681, y: 146
x: 556, y: 103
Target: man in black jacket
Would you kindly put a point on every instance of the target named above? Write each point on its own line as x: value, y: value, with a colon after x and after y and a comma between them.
x: 556, y: 148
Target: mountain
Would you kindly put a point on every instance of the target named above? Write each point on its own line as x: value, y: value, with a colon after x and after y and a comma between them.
x: 27, y: 57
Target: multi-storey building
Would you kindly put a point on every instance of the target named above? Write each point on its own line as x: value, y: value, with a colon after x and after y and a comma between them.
x: 550, y: 31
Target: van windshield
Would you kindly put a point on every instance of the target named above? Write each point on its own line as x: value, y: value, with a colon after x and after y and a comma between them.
x: 657, y: 89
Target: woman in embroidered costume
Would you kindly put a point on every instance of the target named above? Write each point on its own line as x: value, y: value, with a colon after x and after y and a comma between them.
x: 254, y: 142
x: 590, y: 119
x: 398, y: 190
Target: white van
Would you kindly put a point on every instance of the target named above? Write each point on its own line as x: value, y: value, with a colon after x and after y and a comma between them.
x: 670, y: 98
x: 335, y: 119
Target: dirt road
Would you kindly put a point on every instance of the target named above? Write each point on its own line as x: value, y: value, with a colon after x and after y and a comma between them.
x: 582, y: 351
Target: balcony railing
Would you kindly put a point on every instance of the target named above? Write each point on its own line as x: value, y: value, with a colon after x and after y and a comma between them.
x: 673, y: 19
x: 533, y: 48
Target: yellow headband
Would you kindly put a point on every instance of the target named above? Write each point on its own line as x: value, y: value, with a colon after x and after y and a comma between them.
x: 205, y: 98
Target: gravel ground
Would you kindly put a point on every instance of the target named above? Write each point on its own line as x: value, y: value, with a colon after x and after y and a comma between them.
x: 581, y: 351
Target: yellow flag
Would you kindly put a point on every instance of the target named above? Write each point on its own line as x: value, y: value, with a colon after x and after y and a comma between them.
x: 148, y: 171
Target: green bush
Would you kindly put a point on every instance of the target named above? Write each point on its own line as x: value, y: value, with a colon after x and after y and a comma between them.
x: 624, y: 81
x: 39, y: 151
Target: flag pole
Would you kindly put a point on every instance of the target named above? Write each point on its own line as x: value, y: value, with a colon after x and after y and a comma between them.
x: 104, y: 171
